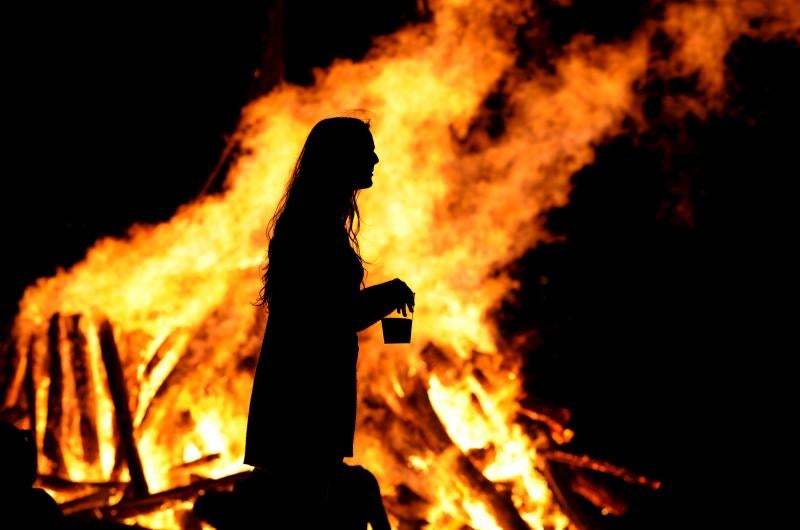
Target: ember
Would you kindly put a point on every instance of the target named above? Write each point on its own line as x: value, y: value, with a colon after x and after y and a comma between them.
x: 135, y: 366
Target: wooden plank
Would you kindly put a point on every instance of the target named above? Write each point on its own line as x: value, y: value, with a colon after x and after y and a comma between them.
x: 84, y: 390
x: 133, y: 507
x: 53, y: 430
x: 119, y: 396
x: 498, y: 504
x: 30, y: 388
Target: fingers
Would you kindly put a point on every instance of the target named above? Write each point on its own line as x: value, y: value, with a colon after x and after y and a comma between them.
x: 409, y: 299
x: 406, y: 296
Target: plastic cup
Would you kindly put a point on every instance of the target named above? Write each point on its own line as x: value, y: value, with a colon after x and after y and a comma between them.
x: 396, y: 329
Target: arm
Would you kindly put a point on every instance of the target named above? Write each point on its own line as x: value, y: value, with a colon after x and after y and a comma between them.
x: 373, y: 303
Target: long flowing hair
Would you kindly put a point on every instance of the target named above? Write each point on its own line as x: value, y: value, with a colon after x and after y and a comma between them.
x: 319, y: 195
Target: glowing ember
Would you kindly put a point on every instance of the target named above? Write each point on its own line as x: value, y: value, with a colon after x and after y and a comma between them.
x: 441, y: 215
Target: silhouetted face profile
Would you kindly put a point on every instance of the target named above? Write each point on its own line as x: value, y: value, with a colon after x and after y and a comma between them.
x: 364, y: 160
x: 340, y: 152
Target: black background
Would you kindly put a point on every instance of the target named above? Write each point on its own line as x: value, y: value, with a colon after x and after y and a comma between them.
x: 114, y: 117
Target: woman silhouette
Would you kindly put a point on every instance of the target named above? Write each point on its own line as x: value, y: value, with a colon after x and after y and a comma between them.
x: 303, y: 404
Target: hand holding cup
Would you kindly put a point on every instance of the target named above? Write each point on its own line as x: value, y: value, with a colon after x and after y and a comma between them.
x: 396, y: 328
x: 403, y: 295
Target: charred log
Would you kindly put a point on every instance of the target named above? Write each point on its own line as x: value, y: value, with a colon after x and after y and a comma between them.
x: 587, y: 462
x: 124, y: 421
x: 498, y: 503
x: 271, y: 70
x: 101, y: 496
x: 146, y: 504
x: 203, y: 460
x: 84, y: 389
x: 12, y: 368
x: 184, y: 368
x: 30, y: 388
x: 599, y: 495
x: 81, y: 495
x: 53, y: 429
x: 160, y: 353
x: 554, y: 426
x: 406, y: 505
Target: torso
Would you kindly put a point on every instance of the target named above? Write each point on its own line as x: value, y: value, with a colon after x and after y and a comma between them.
x: 304, y: 391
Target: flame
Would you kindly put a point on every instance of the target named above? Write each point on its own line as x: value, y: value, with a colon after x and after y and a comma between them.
x: 451, y: 205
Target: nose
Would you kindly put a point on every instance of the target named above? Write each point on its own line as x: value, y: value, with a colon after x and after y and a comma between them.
x: 375, y: 158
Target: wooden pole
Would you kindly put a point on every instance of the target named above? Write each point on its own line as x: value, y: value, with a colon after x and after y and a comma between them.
x: 119, y: 396
x: 53, y: 432
x: 268, y: 74
x: 498, y: 504
x: 148, y: 503
x: 271, y: 71
x: 84, y: 390
x: 12, y: 371
x: 30, y: 389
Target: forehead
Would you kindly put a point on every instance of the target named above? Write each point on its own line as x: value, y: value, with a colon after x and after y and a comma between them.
x: 342, y: 135
x: 365, y: 132
x: 363, y: 137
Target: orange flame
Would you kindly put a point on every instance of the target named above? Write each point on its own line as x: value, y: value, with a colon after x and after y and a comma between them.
x: 441, y: 215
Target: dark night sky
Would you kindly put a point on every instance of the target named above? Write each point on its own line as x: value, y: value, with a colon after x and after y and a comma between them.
x: 113, y: 117
x: 132, y: 108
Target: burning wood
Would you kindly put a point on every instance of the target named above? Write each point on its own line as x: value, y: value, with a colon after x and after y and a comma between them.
x: 199, y: 462
x: 585, y: 461
x: 84, y: 388
x: 600, y: 496
x: 30, y: 387
x: 133, y: 507
x: 440, y: 420
x: 53, y: 430
x: 12, y: 373
x: 549, y: 417
x: 124, y: 422
x: 453, y: 459
x: 406, y: 506
x: 76, y: 490
x: 102, y: 495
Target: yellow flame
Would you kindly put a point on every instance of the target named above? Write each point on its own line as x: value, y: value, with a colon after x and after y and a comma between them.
x: 450, y: 206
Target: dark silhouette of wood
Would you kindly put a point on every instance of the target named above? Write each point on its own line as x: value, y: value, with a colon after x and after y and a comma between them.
x: 268, y: 74
x: 203, y: 460
x: 498, y: 504
x: 53, y: 431
x: 85, y: 497
x: 11, y: 368
x: 119, y: 456
x: 271, y: 70
x: 84, y: 389
x: 547, y: 417
x: 99, y: 497
x: 587, y: 462
x: 162, y: 350
x: 131, y: 507
x: 184, y: 369
x: 424, y: 10
x: 30, y: 387
x: 119, y: 396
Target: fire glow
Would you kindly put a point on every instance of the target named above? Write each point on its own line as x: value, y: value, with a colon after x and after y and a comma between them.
x: 451, y: 205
